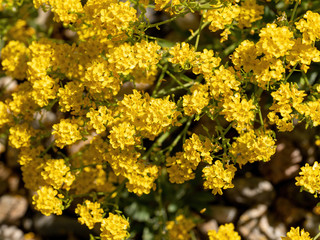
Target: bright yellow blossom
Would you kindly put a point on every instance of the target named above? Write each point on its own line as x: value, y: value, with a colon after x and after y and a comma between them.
x: 225, y: 232
x: 90, y: 213
x: 57, y: 174
x: 114, y: 228
x: 14, y: 59
x: 180, y: 228
x: 66, y: 132
x: 218, y: 176
x: 309, y: 27
x: 47, y: 202
x: 295, y: 234
x: 309, y: 178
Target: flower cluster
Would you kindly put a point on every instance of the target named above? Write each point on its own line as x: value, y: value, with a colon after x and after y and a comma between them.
x: 90, y: 213
x: 309, y: 178
x: 218, y: 176
x: 108, y: 111
x: 114, y: 227
x: 295, y: 234
x: 225, y: 232
x: 180, y: 228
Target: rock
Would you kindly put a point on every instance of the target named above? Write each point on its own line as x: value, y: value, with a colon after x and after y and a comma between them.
x: 288, y: 212
x: 12, y: 157
x: 11, y: 233
x: 189, y: 21
x: 251, y: 191
x: 4, y: 174
x: 253, y: 213
x: 311, y: 224
x: 223, y: 214
x: 207, y: 226
x: 8, y: 83
x: 284, y: 164
x: 13, y: 183
x: 273, y: 229
x: 58, y: 227
x: 257, y: 224
x: 46, y: 118
x: 12, y: 208
x: 248, y: 223
x: 2, y: 146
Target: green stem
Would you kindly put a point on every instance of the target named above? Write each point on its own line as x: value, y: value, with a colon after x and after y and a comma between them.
x: 230, y: 49
x: 305, y: 79
x: 118, y: 189
x: 317, y: 236
x: 292, y: 70
x: 197, y: 32
x: 163, y: 92
x: 294, y: 11
x: 163, y: 71
x: 47, y: 149
x: 156, y: 25
x: 84, y: 166
x: 160, y: 140
x: 182, y: 134
x: 261, y: 119
x: 87, y: 194
x: 162, y: 211
x: 170, y: 74
x: 226, y: 130
x: 157, y: 143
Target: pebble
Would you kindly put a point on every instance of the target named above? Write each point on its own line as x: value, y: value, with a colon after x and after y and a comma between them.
x: 284, y: 164
x: 251, y: 191
x: 12, y: 208
x: 10, y: 233
x: 223, y: 214
x: 257, y: 224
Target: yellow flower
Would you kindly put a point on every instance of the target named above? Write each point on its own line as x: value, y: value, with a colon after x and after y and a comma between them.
x: 309, y: 27
x: 180, y: 228
x: 205, y: 62
x: 57, y: 174
x: 90, y: 213
x: 295, y: 234
x: 20, y: 31
x: 14, y: 59
x: 240, y: 110
x: 71, y: 97
x: 66, y: 132
x: 66, y: 11
x: 222, y: 82
x: 250, y: 12
x: 218, y: 177
x: 5, y: 116
x: 199, y: 98
x: 220, y: 16
x: 47, y: 202
x: 309, y: 178
x: 114, y: 228
x: 181, y: 166
x: 183, y: 54
x: 226, y: 232
x: 275, y: 41
x: 285, y: 99
x: 303, y: 53
x: 150, y: 116
x: 20, y: 135
x: 123, y: 135
x: 253, y: 146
